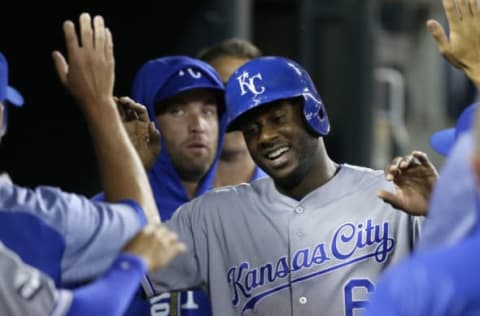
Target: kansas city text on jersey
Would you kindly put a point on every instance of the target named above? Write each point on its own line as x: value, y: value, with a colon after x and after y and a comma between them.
x: 350, y: 244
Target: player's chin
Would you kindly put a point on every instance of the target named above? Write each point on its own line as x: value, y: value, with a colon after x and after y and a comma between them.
x: 203, y: 161
x: 279, y: 171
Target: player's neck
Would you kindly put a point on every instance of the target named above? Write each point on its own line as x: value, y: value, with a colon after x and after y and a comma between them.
x: 190, y: 187
x: 319, y: 172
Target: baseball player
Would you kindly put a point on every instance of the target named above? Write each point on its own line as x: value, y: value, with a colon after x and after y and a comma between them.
x: 457, y: 215
x: 67, y: 236
x: 310, y: 239
x: 183, y: 97
x: 235, y: 164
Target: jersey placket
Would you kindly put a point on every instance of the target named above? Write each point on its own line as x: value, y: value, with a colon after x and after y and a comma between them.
x: 297, y: 232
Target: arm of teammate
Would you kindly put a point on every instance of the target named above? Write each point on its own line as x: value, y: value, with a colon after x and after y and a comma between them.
x: 462, y: 47
x: 89, y: 76
x: 414, y: 177
x: 26, y: 291
x: 152, y: 248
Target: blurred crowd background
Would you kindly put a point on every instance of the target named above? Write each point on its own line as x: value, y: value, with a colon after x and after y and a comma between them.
x: 385, y: 86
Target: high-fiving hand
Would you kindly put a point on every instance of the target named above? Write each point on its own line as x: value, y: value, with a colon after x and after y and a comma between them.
x: 88, y: 70
x: 462, y: 47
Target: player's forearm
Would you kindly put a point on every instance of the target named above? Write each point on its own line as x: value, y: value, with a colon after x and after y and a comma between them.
x: 121, y: 171
x: 111, y: 294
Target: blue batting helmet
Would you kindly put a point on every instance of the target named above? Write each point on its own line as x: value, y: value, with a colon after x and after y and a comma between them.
x: 268, y: 79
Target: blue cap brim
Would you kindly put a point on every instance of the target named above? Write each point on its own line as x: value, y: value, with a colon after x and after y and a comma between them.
x: 442, y: 141
x: 14, y: 97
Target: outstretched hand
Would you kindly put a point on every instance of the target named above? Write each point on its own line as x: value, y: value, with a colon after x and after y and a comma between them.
x: 157, y: 245
x: 143, y: 133
x: 414, y: 177
x: 88, y: 70
x: 462, y: 47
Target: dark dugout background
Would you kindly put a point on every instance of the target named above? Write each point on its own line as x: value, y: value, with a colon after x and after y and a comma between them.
x: 47, y: 141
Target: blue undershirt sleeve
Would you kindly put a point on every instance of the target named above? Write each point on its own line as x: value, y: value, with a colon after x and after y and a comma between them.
x: 112, y: 293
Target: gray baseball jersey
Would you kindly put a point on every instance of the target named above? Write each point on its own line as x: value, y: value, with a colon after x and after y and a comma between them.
x: 259, y: 252
x: 26, y: 291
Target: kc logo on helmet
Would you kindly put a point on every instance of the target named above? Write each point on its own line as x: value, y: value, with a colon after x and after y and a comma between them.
x: 247, y: 82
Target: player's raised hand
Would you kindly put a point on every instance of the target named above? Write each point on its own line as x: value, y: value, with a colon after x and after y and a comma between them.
x: 143, y: 133
x: 414, y: 177
x: 88, y: 69
x: 462, y: 47
x: 157, y: 245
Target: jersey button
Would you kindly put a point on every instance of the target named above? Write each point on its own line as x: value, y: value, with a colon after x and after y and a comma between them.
x: 302, y: 300
x: 299, y: 210
x: 300, y: 234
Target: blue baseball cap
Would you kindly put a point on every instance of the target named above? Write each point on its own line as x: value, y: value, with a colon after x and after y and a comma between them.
x: 443, y: 140
x: 7, y: 93
x: 188, y: 79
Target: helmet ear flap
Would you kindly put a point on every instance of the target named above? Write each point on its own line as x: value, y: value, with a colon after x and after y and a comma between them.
x: 315, y: 114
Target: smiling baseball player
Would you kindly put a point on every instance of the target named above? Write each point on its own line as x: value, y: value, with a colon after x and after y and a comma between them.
x: 312, y: 238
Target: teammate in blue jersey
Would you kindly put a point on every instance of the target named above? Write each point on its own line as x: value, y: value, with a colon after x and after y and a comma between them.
x: 313, y: 236
x: 45, y: 225
x: 235, y: 164
x: 457, y: 217
x: 183, y: 97
x: 442, y: 279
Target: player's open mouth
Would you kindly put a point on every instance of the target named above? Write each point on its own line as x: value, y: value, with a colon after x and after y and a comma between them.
x: 278, y: 157
x: 277, y: 152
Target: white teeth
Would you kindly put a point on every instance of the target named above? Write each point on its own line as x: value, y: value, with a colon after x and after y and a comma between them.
x: 275, y: 154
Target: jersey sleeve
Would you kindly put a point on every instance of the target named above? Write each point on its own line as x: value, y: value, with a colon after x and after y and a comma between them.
x: 188, y: 270
x: 26, y: 291
x: 94, y: 232
x: 111, y: 293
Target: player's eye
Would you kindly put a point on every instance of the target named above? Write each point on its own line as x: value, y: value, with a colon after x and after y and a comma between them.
x: 176, y: 110
x: 278, y: 117
x: 250, y: 130
x: 210, y: 110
